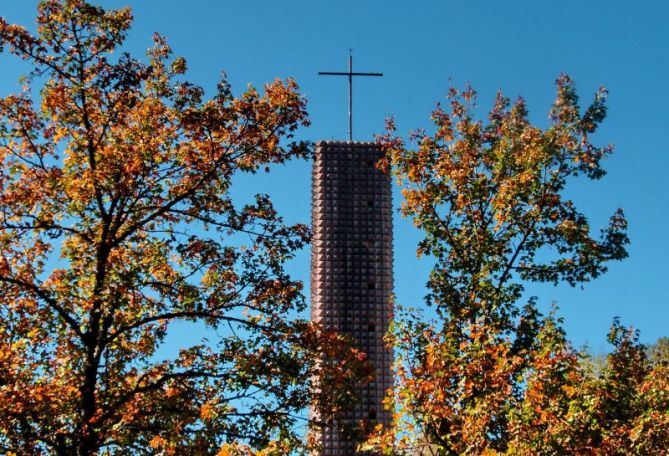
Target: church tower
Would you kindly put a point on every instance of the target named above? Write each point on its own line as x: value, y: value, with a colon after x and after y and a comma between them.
x: 351, y: 268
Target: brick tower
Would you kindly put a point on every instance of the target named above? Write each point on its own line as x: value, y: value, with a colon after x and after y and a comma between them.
x: 351, y: 267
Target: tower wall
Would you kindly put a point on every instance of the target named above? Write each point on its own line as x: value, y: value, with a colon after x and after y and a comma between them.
x: 351, y: 267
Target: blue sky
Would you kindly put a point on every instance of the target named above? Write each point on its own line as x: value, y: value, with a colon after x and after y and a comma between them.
x: 519, y: 46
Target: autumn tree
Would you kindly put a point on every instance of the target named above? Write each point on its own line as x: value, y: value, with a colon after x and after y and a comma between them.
x: 116, y: 220
x: 659, y: 351
x: 490, y: 200
x: 623, y: 409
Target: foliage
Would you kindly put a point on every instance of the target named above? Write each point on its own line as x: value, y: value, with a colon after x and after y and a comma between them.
x: 492, y: 376
x: 116, y: 221
x: 623, y: 411
x: 659, y: 351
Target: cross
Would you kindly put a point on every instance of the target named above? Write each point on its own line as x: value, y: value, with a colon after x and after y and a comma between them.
x: 350, y: 75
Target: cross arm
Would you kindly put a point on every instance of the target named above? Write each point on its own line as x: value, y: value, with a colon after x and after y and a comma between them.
x: 335, y: 73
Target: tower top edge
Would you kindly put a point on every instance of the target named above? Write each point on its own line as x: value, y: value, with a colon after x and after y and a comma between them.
x: 335, y: 143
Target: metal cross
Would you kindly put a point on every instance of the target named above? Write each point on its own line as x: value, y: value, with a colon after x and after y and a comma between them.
x: 350, y: 75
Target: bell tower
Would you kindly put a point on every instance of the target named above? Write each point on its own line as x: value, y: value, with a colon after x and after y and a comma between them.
x: 351, y: 269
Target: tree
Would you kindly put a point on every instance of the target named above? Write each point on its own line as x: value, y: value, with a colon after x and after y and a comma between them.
x: 659, y: 351
x: 116, y: 220
x: 621, y: 410
x: 658, y: 355
x: 490, y: 202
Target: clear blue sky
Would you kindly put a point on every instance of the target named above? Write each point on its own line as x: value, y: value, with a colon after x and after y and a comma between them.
x: 519, y: 46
